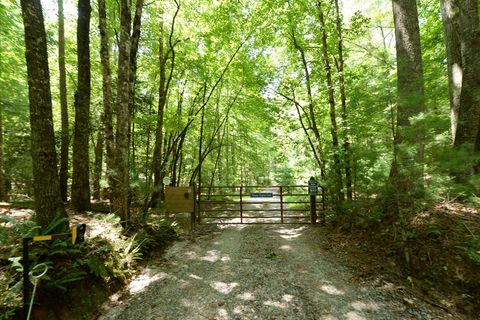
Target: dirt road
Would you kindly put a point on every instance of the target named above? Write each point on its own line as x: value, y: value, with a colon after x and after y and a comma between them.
x: 261, y: 272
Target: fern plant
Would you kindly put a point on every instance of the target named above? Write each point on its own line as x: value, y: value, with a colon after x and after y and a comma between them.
x: 473, y: 250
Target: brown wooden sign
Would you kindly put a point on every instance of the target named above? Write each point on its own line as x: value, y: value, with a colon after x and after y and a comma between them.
x: 179, y: 199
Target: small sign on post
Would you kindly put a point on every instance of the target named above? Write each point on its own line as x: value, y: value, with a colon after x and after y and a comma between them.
x: 167, y: 181
x: 312, y: 187
x: 179, y: 199
x: 261, y: 195
x: 312, y: 191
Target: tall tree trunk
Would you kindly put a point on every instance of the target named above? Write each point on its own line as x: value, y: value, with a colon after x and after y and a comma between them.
x: 135, y: 40
x: 131, y: 138
x: 157, y: 151
x: 200, y: 154
x: 46, y: 189
x: 406, y: 175
x: 81, y: 167
x: 121, y: 178
x: 107, y: 95
x: 312, y: 122
x: 100, y: 143
x: 97, y: 170
x: 63, y: 104
x: 469, y: 112
x: 217, y: 163
x: 476, y: 150
x: 339, y: 197
x: 3, y: 189
x: 177, y: 157
x: 163, y: 89
x: 205, y: 151
x: 451, y: 30
x: 181, y: 168
x: 343, y: 98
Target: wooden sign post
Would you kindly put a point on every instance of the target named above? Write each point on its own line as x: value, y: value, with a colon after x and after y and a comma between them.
x: 179, y: 200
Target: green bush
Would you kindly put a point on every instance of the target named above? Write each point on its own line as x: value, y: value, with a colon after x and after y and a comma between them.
x: 473, y: 249
x: 112, y: 259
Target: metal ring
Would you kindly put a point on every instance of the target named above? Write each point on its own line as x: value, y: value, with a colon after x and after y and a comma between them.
x: 41, y: 274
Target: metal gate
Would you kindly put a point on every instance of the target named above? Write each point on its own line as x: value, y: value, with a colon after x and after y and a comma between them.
x: 256, y: 205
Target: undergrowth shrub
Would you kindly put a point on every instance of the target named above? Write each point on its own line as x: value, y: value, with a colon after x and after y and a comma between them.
x: 473, y: 246
x: 108, y: 259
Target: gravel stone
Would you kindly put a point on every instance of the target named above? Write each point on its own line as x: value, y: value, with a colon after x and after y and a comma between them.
x: 261, y: 272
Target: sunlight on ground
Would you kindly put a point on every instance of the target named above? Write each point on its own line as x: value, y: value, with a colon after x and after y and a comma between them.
x: 186, y: 303
x: 192, y: 255
x: 195, y: 277
x: 276, y: 304
x: 142, y: 281
x: 330, y: 289
x: 329, y: 317
x: 222, y: 314
x: 243, y: 308
x: 99, y: 224
x: 361, y: 306
x: 352, y: 315
x: 247, y: 296
x: 212, y: 256
x: 223, y: 287
x: 291, y: 233
x: 284, y: 304
x: 19, y: 214
x: 287, y: 297
x: 233, y: 226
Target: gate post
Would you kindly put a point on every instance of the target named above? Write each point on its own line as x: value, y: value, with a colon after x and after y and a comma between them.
x: 281, y: 204
x: 312, y: 191
x: 241, y: 204
x: 313, y: 209
x: 196, y: 206
x: 198, y: 209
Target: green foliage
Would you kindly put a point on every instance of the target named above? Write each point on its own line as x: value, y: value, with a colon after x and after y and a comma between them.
x: 434, y: 232
x: 112, y: 259
x: 14, y: 100
x: 261, y: 139
x: 371, y: 218
x: 11, y: 297
x: 473, y: 247
x: 13, y: 229
x: 284, y: 176
x: 473, y: 251
x: 359, y: 24
x: 11, y: 233
x: 96, y: 266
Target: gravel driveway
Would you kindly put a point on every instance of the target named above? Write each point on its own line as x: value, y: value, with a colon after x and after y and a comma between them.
x: 261, y: 272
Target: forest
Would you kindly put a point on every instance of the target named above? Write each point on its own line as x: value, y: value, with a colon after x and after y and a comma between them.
x: 378, y: 100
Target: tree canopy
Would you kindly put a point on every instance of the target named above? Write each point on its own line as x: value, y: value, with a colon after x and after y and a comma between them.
x: 251, y: 92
